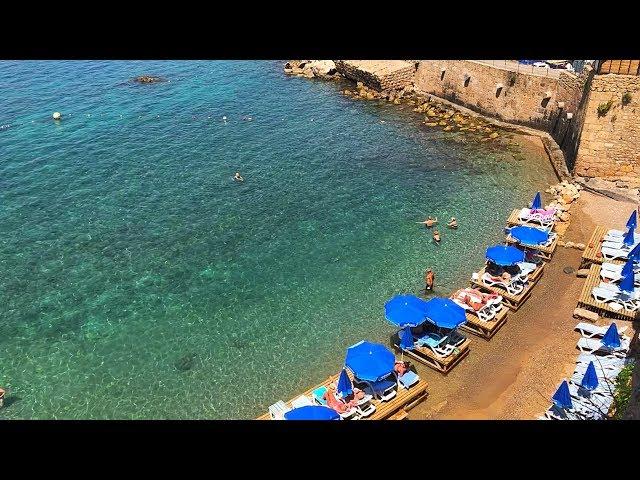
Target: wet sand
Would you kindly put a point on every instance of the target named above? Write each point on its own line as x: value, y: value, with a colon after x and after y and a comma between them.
x: 513, y: 375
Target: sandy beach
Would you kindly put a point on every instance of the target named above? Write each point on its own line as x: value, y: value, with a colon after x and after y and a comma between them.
x: 513, y: 375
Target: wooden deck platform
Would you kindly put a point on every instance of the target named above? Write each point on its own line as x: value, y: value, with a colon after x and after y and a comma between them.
x: 484, y: 329
x: 427, y: 357
x: 587, y: 301
x: 514, y: 221
x: 511, y: 301
x: 543, y: 252
x: 404, y: 400
x: 592, y: 252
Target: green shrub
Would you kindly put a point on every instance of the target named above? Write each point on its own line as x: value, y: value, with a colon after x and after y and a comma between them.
x: 626, y: 98
x: 623, y: 391
x: 604, y: 108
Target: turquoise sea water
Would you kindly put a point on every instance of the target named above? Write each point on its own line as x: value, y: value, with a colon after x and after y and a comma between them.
x: 137, y: 280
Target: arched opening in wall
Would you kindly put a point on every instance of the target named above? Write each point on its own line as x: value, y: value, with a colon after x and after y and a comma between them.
x: 467, y: 79
x: 545, y: 102
x: 498, y: 90
x: 442, y: 72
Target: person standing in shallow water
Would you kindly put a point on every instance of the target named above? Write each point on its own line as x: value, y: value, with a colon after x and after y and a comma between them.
x: 429, y: 279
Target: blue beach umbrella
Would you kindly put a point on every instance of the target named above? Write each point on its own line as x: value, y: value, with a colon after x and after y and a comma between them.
x: 628, y: 268
x: 312, y: 412
x: 504, y: 255
x: 405, y: 310
x: 406, y: 339
x: 562, y: 397
x: 445, y: 313
x: 344, y: 387
x: 590, y: 379
x: 628, y: 238
x: 537, y: 202
x: 632, y: 223
x: 634, y: 254
x: 370, y: 361
x: 611, y: 339
x: 529, y: 235
x: 627, y: 282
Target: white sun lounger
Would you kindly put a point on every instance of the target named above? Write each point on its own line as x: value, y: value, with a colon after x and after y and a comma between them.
x: 607, y: 295
x: 604, y: 361
x: 486, y: 313
x: 514, y: 288
x: 590, y: 330
x: 616, y: 276
x: 277, y: 410
x: 591, y: 345
x: 526, y: 215
x: 619, y: 245
x: 577, y: 413
x: 596, y: 396
x: 614, y: 253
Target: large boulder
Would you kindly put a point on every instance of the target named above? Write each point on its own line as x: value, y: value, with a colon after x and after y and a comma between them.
x: 322, y: 68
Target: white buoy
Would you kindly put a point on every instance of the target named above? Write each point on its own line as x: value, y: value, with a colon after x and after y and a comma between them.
x: 57, y: 115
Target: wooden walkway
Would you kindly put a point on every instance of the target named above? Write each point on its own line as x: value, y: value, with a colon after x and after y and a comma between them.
x: 511, y: 301
x: 427, y: 357
x: 592, y: 252
x: 543, y: 252
x: 404, y: 400
x: 514, y: 221
x: 587, y: 301
x: 485, y: 329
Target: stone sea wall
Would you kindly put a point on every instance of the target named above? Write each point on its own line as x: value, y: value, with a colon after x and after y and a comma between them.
x: 610, y: 139
x: 521, y: 98
x: 380, y: 75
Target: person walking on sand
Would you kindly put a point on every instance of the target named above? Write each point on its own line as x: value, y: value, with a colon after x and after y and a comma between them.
x: 452, y: 223
x: 436, y: 236
x: 238, y: 178
x: 429, y: 279
x: 430, y: 221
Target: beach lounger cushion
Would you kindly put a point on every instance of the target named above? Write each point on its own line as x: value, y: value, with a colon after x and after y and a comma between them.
x: 408, y: 379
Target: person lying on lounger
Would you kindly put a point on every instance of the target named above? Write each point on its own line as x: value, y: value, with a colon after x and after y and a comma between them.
x: 334, y: 402
x: 401, y: 368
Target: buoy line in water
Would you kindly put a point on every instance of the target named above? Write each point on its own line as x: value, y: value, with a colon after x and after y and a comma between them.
x: 223, y: 119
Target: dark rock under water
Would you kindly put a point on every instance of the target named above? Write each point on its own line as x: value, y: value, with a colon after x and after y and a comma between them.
x: 185, y: 362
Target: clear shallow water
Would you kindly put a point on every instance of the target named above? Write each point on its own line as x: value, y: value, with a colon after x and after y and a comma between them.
x: 137, y: 280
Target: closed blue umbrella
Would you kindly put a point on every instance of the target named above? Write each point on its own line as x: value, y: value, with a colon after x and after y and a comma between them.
x: 627, y: 282
x: 369, y: 361
x: 344, y: 387
x: 628, y: 268
x: 504, y: 255
x: 628, y: 238
x: 634, y: 254
x: 590, y: 379
x: 632, y: 223
x: 611, y: 338
x: 312, y: 412
x: 529, y: 235
x: 445, y: 313
x: 537, y: 202
x: 405, y: 310
x: 406, y: 339
x: 562, y: 397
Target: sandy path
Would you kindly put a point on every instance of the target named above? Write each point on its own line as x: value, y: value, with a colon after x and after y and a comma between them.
x: 513, y: 375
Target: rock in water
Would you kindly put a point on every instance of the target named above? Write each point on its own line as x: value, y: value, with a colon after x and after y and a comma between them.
x: 57, y: 115
x: 148, y: 79
x: 185, y: 362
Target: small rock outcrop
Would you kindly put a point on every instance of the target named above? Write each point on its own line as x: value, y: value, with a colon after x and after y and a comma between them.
x: 325, y: 69
x: 148, y: 79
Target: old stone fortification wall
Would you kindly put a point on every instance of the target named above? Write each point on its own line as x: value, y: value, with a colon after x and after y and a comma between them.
x: 523, y: 98
x: 378, y: 74
x: 609, y: 143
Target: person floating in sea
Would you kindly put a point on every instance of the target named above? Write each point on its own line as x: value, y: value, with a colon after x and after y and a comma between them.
x: 429, y: 279
x: 1, y: 397
x: 452, y: 223
x: 430, y: 221
x: 436, y: 236
x: 238, y: 178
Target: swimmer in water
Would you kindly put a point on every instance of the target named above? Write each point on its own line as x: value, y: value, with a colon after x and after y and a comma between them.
x: 436, y: 236
x: 238, y: 178
x: 224, y: 119
x: 429, y: 278
x: 452, y: 223
x: 430, y: 221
